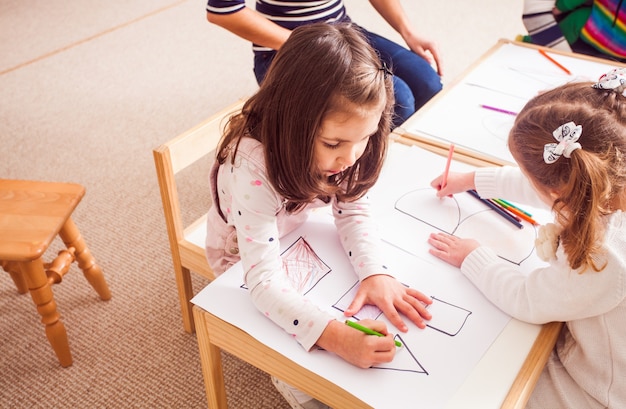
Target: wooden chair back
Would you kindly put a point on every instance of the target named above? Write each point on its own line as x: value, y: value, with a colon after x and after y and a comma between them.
x: 187, y: 242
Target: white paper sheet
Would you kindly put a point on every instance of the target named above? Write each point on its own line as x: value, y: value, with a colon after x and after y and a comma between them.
x: 506, y: 79
x: 434, y: 362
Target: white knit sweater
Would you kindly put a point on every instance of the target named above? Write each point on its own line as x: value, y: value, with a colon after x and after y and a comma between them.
x: 588, y: 367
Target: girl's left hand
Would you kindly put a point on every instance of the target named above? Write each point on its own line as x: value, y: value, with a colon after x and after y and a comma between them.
x: 451, y: 249
x: 392, y: 297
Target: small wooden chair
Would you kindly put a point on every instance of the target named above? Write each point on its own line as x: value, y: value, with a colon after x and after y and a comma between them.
x: 187, y: 242
x: 32, y: 214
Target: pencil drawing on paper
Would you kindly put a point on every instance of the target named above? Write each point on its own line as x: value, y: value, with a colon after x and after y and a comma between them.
x: 463, y: 216
x: 404, y: 361
x: 306, y: 269
x: 303, y: 266
x: 367, y: 312
x: 448, y: 319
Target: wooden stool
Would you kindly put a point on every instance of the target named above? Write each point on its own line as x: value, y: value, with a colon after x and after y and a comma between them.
x: 31, y: 215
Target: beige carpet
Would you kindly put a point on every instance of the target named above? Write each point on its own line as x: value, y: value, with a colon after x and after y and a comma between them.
x: 87, y: 90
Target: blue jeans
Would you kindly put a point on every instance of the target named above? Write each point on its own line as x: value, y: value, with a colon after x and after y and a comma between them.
x: 414, y: 80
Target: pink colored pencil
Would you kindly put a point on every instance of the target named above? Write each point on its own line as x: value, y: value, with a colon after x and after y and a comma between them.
x: 444, y: 181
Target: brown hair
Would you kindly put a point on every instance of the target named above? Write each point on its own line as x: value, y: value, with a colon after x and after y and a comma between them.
x: 318, y: 69
x: 592, y: 180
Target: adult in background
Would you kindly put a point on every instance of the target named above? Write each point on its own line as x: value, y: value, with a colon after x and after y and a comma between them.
x: 269, y: 25
x: 596, y: 28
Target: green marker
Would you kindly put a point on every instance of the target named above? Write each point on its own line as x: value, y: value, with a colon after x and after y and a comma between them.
x: 368, y: 331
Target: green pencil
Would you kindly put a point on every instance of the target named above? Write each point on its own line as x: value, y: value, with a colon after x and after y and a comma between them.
x: 368, y: 331
x: 515, y: 207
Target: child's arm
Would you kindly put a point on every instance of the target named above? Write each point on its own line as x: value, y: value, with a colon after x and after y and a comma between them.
x: 551, y: 293
x: 360, y: 240
x: 509, y: 183
x: 256, y: 210
x: 248, y: 24
x: 506, y: 182
x: 394, y: 14
x: 456, y: 183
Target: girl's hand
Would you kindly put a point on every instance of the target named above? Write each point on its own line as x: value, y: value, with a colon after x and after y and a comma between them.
x: 456, y: 183
x: 451, y: 249
x: 356, y: 347
x: 391, y: 297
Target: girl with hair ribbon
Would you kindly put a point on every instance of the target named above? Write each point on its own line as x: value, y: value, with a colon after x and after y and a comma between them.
x: 570, y: 145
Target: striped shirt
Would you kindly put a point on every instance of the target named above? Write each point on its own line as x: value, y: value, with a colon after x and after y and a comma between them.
x: 287, y: 14
x: 606, y: 27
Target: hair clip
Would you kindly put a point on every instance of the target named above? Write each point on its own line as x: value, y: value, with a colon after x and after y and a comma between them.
x: 567, y: 135
x: 613, y: 80
x: 385, y: 69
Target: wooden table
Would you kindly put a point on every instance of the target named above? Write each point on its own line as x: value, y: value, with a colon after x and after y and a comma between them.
x: 215, y: 335
x: 505, y: 77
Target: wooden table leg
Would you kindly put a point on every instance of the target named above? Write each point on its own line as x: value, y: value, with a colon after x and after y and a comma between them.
x: 41, y: 293
x: 211, y: 361
x: 93, y: 273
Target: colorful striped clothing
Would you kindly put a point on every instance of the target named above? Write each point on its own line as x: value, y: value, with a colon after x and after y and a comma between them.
x: 606, y: 28
x: 287, y: 14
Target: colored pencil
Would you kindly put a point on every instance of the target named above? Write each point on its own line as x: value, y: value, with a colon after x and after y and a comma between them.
x: 497, y: 209
x: 504, y: 209
x: 555, y: 62
x: 512, y: 205
x: 444, y: 180
x: 503, y: 111
x: 516, y: 212
x: 369, y: 331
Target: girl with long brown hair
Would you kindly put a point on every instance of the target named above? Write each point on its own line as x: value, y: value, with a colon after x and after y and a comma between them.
x: 315, y: 134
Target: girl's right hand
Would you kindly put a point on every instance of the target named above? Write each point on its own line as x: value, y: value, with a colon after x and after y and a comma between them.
x: 356, y: 347
x: 456, y: 183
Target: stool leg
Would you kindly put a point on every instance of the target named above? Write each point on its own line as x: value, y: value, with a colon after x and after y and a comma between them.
x: 41, y: 293
x: 93, y: 273
x: 13, y: 268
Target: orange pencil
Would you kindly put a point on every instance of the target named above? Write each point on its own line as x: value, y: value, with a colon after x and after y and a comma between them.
x: 516, y: 212
x: 555, y: 62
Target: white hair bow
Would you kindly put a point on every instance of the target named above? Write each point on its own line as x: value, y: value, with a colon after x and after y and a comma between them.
x: 567, y: 135
x: 614, y: 79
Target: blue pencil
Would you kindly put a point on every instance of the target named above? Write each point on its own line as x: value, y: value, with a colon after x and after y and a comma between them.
x: 497, y: 209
